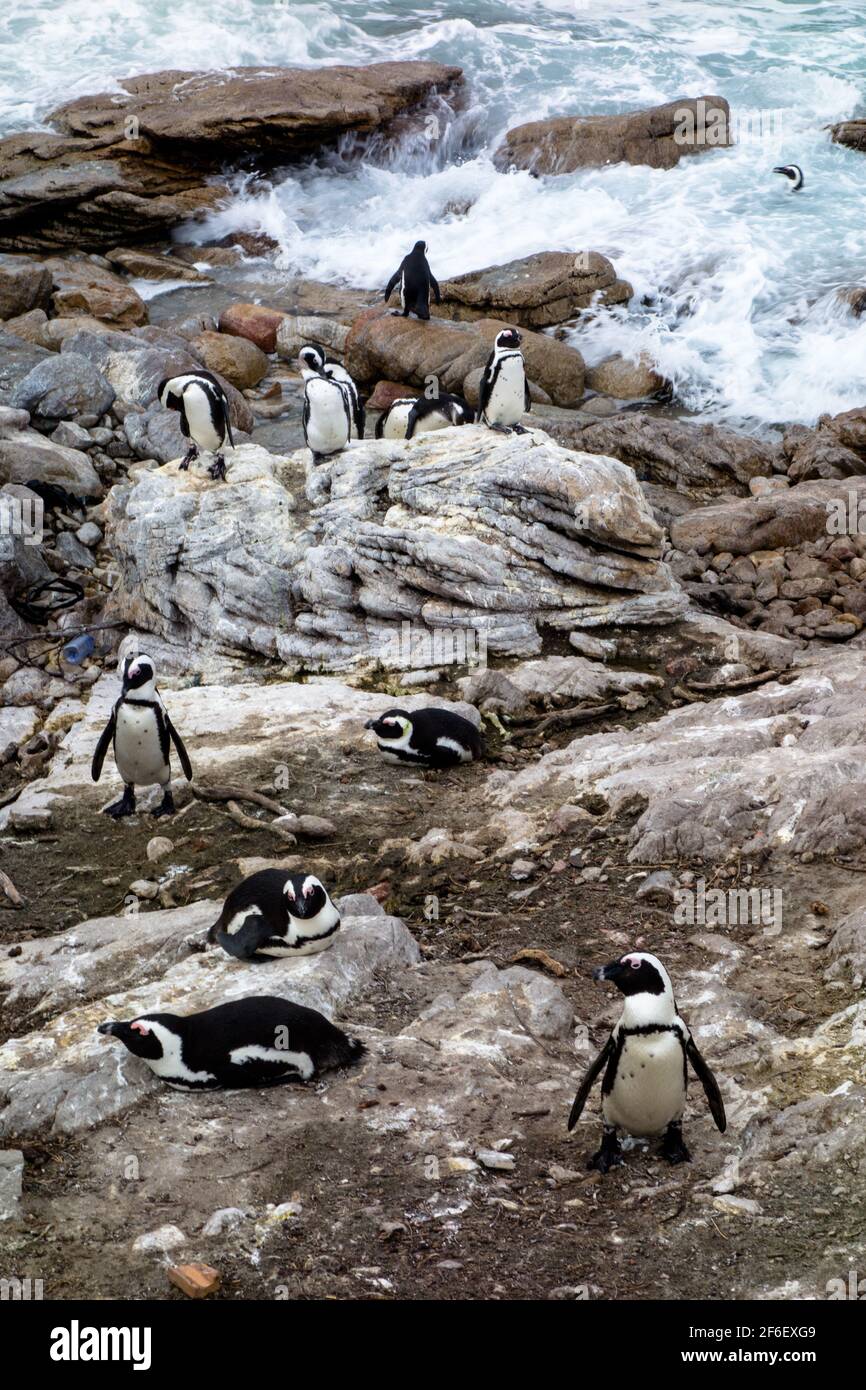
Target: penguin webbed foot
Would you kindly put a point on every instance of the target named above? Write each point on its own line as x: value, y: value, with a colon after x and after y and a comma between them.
x: 519, y: 429
x: 673, y: 1145
x: 189, y: 457
x: 609, y: 1155
x: 217, y: 469
x: 166, y: 807
x: 500, y: 429
x: 124, y: 807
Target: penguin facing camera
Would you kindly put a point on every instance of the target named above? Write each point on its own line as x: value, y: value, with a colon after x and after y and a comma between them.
x: 327, y: 418
x: 645, y: 1061
x: 315, y: 362
x: 204, y: 416
x: 504, y: 391
x: 141, y: 733
x: 273, y: 913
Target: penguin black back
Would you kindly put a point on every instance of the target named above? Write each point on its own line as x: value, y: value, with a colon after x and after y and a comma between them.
x: 416, y: 280
x: 427, y: 737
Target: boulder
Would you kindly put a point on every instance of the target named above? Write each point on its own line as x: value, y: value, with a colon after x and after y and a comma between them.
x: 779, y: 521
x: 295, y: 330
x: 62, y: 387
x: 850, y: 133
x: 18, y: 357
x: 548, y: 683
x: 32, y: 327
x: 536, y: 291
x: 381, y: 345
x: 24, y: 285
x: 31, y: 455
x: 625, y: 379
x: 835, y: 448
x: 82, y: 287
x: 147, y: 265
x: 387, y: 392
x: 237, y: 359
x: 659, y: 137
x: 254, y: 322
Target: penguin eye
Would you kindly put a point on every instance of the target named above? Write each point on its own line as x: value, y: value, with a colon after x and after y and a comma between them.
x: 635, y: 964
x: 141, y: 1028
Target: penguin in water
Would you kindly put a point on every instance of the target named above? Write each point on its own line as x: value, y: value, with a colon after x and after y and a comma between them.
x: 204, y: 416
x: 257, y: 1041
x: 504, y: 390
x: 314, y: 362
x: 427, y: 737
x: 394, y: 422
x: 793, y: 173
x: 438, y: 413
x: 416, y: 280
x: 141, y: 732
x: 327, y: 418
x: 646, y: 1061
x: 274, y: 913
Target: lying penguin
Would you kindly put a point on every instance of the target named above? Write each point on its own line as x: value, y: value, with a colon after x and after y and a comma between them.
x: 257, y: 1041
x: 274, y: 913
x: 416, y: 281
x: 410, y: 415
x: 394, y: 422
x: 204, y: 415
x: 646, y: 1062
x: 315, y: 362
x: 503, y: 395
x: 141, y: 732
x: 426, y: 737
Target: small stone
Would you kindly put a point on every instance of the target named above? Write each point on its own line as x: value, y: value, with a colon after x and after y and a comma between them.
x: 522, y: 869
x: 497, y: 1162
x: 144, y: 888
x: 89, y: 534
x: 162, y: 1239
x: 159, y: 847
x: 195, y: 1280
x: 659, y: 887
x: 737, y: 1206
x: 591, y: 875
x: 30, y: 818
x: 225, y: 1219
x: 562, y: 1176
x: 460, y: 1164
x: 11, y: 1182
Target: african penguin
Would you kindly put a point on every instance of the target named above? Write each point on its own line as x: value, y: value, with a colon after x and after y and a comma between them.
x: 438, y: 413
x: 204, y: 415
x: 327, y: 416
x: 793, y: 173
x: 257, y: 1041
x: 646, y: 1062
x: 426, y: 737
x: 394, y: 422
x: 416, y: 281
x: 504, y: 390
x: 314, y: 362
x: 141, y: 732
x: 274, y: 913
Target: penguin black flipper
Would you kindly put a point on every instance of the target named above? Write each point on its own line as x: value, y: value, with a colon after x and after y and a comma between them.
x: 305, y: 419
x: 360, y: 415
x: 244, y: 943
x: 179, y: 745
x: 227, y: 420
x: 389, y: 289
x: 105, y: 738
x: 434, y: 285
x: 588, y: 1082
x: 709, y: 1083
x: 527, y: 399
x: 488, y: 381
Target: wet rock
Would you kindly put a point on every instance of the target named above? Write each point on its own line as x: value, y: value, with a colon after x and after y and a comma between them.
x: 659, y: 137
x: 63, y: 387
x: 850, y: 133
x: 82, y: 287
x: 536, y: 291
x: 145, y: 265
x: 625, y: 379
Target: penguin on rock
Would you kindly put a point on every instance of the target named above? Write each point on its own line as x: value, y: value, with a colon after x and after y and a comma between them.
x: 315, y: 362
x: 438, y: 413
x: 427, y: 737
x: 394, y: 422
x: 416, y: 280
x: 504, y: 391
x: 327, y: 418
x: 273, y: 913
x: 257, y: 1041
x: 141, y: 732
x: 645, y: 1062
x: 204, y: 415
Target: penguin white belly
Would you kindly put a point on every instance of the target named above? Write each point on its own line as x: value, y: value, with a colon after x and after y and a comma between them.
x: 198, y: 417
x: 507, y: 399
x: 649, y: 1090
x: 137, y: 750
x: 327, y: 427
x: 398, y: 420
x: 432, y: 422
x: 306, y: 937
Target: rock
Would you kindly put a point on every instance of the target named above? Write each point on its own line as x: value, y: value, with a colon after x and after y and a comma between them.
x: 17, y: 359
x: 294, y: 330
x: 89, y: 534
x: 438, y: 846
x: 658, y: 887
x: 71, y: 436
x: 226, y: 1219
x: 62, y: 387
x: 12, y: 422
x: 255, y: 322
x: 24, y: 285
x: 523, y: 869
x: 195, y: 1280
x: 82, y: 287
x: 32, y: 327
x: 627, y: 380
x: 595, y: 648
x: 536, y: 291
x: 31, y: 456
x: 237, y: 359
x: 853, y: 298
x: 90, y: 187
x: 836, y: 448
x: 495, y: 1161
x: 386, y: 393
x: 850, y: 133
x: 659, y: 137
x: 548, y: 683
x: 779, y: 521
x: 144, y: 265
x: 535, y: 534
x: 73, y: 552
x: 136, y: 375
x: 11, y: 1182
x: 380, y: 345
x: 160, y: 1241
x: 158, y: 847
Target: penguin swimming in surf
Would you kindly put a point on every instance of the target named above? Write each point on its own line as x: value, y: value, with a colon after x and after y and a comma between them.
x: 314, y: 362
x: 142, y: 733
x: 438, y: 413
x: 427, y: 737
x: 204, y: 416
x: 645, y: 1063
x: 327, y: 418
x: 416, y: 280
x: 504, y: 390
x: 257, y: 1041
x: 793, y: 173
x: 273, y: 913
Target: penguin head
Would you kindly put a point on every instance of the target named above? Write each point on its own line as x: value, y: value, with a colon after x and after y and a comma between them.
x: 312, y: 357
x: 420, y: 248
x: 637, y: 973
x: 394, y: 726
x: 508, y: 340
x: 138, y: 1037
x: 305, y: 896
x: 138, y: 674
x: 793, y: 173
x: 166, y: 396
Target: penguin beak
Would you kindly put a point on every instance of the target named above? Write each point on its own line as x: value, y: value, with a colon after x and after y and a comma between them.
x: 608, y: 972
x: 370, y: 724
x: 112, y: 1028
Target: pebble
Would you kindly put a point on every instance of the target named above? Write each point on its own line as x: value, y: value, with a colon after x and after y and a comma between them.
x: 225, y: 1219
x: 89, y: 534
x: 497, y: 1162
x: 159, y: 847
x: 162, y: 1239
x: 11, y: 1182
x: 522, y: 869
x: 144, y: 888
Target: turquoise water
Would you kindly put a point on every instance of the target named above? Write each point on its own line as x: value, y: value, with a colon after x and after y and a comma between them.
x: 735, y: 278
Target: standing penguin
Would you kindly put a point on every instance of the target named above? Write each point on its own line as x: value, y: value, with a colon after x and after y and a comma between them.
x: 793, y: 173
x: 646, y: 1062
x: 438, y: 413
x: 327, y: 416
x: 504, y: 390
x: 204, y: 415
x: 427, y: 737
x: 141, y: 732
x: 257, y: 1041
x: 314, y: 362
x: 416, y: 281
x: 274, y: 913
